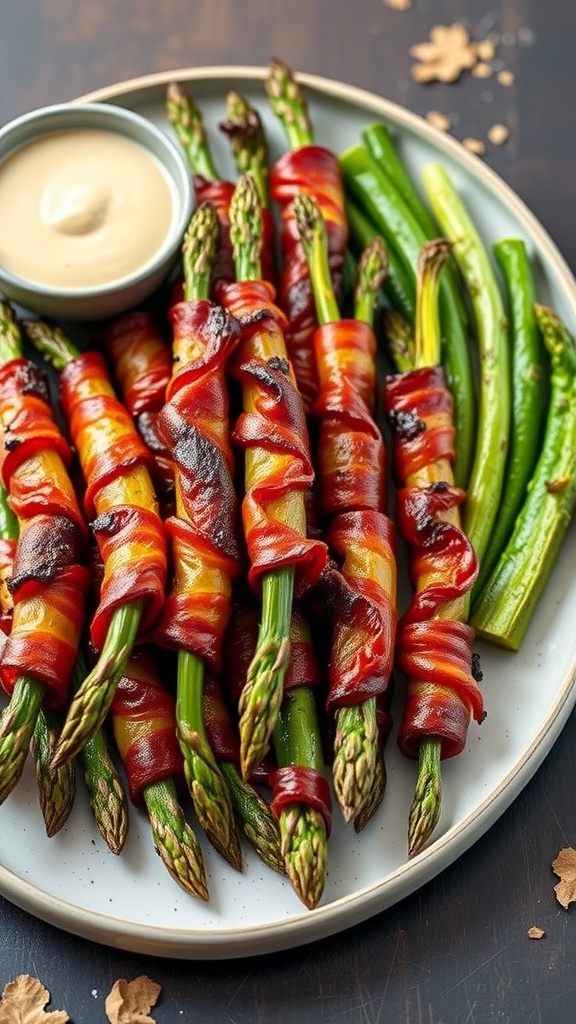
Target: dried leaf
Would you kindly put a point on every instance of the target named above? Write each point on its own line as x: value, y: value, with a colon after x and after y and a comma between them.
x: 130, y: 1002
x: 24, y: 1000
x: 444, y: 57
x: 535, y: 932
x: 506, y: 78
x: 565, y: 867
x: 398, y: 5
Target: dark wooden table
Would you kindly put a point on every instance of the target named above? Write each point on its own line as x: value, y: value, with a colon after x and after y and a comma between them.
x: 456, y: 952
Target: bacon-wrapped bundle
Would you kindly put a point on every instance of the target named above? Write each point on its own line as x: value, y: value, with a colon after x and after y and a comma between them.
x: 352, y: 494
x: 119, y: 492
x: 434, y: 648
x: 272, y: 432
x: 206, y: 550
x: 144, y: 726
x: 359, y: 589
x: 142, y: 366
x: 48, y: 581
x: 315, y: 171
x: 350, y: 450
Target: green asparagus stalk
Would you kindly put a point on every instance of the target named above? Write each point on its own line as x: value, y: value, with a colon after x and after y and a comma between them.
x: 356, y: 731
x: 205, y: 780
x: 513, y: 590
x: 528, y: 397
x: 263, y: 691
x: 289, y: 105
x: 92, y: 700
x: 105, y: 791
x: 243, y: 126
x: 56, y: 786
x: 484, y: 487
x: 188, y: 124
x: 18, y: 719
x: 425, y: 808
x: 294, y: 724
x: 174, y: 840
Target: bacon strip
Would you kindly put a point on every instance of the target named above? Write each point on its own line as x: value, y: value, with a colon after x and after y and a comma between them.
x: 206, y: 553
x: 314, y: 171
x: 119, y: 492
x: 48, y: 581
x: 434, y: 649
x: 144, y: 726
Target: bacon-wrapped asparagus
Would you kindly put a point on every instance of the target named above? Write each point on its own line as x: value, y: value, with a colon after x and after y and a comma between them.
x: 272, y: 432
x: 121, y: 503
x: 313, y: 170
x: 278, y: 472
x: 434, y: 642
x: 49, y: 579
x: 352, y: 486
x: 204, y: 532
x: 141, y: 361
x: 144, y: 725
x: 300, y: 792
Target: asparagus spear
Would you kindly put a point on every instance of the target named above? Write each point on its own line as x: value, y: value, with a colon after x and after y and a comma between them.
x: 356, y: 734
x: 56, y: 790
x: 289, y: 105
x: 105, y: 791
x: 206, y: 783
x: 262, y: 695
x: 244, y: 129
x: 426, y: 803
x: 291, y: 717
x: 56, y: 786
x: 92, y: 700
x: 188, y: 124
x: 18, y: 719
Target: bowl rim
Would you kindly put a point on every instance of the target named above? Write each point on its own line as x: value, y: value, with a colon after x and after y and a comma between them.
x: 76, y: 114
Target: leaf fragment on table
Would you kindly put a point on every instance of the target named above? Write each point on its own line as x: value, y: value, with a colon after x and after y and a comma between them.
x: 130, y: 1002
x: 24, y: 1000
x: 535, y: 932
x: 445, y: 55
x: 565, y: 867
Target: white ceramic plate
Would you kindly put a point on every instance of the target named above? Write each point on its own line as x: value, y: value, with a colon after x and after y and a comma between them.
x: 129, y: 901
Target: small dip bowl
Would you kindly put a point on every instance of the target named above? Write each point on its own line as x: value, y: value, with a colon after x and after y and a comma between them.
x: 93, y: 233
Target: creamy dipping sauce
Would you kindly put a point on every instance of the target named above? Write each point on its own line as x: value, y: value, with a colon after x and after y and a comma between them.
x: 82, y: 208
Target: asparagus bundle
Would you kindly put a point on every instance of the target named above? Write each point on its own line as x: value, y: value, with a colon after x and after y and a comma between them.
x: 141, y: 361
x: 313, y: 170
x: 206, y: 554
x: 121, y: 504
x: 143, y: 720
x: 352, y: 477
x: 49, y: 579
x: 278, y: 471
x: 434, y: 642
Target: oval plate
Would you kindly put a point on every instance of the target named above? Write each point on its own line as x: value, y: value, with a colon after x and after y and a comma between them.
x: 74, y: 882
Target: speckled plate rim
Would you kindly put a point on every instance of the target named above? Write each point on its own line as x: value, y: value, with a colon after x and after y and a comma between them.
x: 325, y: 920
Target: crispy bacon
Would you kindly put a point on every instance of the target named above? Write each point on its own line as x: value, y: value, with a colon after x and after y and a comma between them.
x: 359, y: 586
x: 48, y: 580
x: 316, y: 172
x: 142, y: 365
x: 119, y: 494
x: 433, y: 650
x: 144, y: 726
x: 272, y: 432
x: 204, y: 535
